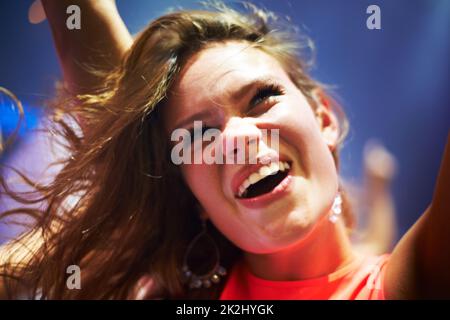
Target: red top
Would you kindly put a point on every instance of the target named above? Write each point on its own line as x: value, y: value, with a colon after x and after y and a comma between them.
x: 360, y: 280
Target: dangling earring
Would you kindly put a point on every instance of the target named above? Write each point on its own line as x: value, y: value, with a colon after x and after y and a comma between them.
x: 196, y: 281
x: 336, y: 209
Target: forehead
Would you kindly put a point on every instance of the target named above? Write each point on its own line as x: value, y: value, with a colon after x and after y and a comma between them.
x: 212, y: 76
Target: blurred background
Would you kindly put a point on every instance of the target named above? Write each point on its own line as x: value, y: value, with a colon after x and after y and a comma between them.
x: 393, y: 83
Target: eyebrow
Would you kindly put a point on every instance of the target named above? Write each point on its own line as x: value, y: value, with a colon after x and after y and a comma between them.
x: 235, y: 96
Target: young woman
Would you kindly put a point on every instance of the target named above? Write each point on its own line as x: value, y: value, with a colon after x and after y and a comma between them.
x: 139, y: 226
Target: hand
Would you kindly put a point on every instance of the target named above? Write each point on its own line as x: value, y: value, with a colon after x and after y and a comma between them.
x: 379, y: 164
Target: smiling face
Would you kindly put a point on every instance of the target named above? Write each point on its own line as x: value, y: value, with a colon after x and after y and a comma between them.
x: 243, y: 91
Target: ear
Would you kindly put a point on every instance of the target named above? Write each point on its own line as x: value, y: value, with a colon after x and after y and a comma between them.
x: 328, y: 122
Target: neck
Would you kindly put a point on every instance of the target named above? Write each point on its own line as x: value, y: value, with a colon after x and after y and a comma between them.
x: 326, y: 249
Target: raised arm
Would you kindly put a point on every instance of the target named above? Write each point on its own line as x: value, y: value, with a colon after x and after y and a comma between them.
x: 379, y: 170
x: 420, y: 263
x: 100, y: 43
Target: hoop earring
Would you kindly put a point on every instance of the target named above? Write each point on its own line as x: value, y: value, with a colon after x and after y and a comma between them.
x: 336, y: 209
x: 196, y: 281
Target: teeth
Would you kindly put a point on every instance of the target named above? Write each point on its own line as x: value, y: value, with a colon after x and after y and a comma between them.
x: 263, y: 172
x: 254, y: 177
x: 274, y: 167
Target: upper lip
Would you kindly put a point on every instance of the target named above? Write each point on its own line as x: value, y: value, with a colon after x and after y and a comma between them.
x: 247, y: 170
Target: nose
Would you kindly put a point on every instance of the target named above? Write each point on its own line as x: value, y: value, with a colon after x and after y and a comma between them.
x: 242, y: 141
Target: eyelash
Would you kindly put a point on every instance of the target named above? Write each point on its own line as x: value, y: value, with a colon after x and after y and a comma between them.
x: 204, y: 128
x: 265, y: 92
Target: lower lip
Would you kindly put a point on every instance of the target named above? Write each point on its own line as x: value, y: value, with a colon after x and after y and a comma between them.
x: 263, y: 200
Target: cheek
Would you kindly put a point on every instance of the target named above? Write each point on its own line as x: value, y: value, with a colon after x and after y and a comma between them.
x: 197, y: 178
x: 204, y: 182
x: 299, y: 129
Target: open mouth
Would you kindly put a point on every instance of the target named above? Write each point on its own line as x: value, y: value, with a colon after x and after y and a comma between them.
x: 265, y: 180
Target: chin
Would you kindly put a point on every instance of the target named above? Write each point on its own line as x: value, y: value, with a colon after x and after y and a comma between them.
x: 282, y: 234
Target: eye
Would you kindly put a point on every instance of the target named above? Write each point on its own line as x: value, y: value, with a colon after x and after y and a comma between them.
x: 204, y: 128
x: 265, y: 92
x: 197, y: 136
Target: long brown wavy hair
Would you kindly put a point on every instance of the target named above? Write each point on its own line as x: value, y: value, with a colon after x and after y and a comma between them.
x: 119, y: 208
